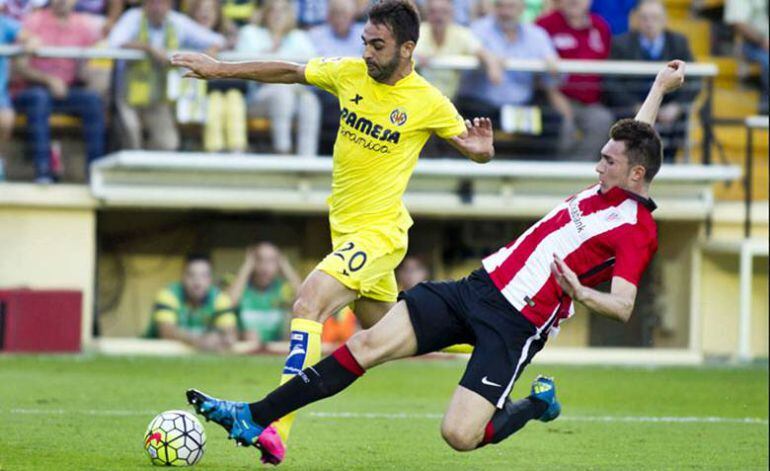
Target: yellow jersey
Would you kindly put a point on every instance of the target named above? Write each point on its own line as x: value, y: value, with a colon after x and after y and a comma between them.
x: 383, y: 128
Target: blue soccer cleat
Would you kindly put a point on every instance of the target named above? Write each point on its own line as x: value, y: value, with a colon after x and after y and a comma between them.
x: 234, y: 417
x: 544, y: 389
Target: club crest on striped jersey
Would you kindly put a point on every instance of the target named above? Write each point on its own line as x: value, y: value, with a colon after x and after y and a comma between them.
x: 398, y: 116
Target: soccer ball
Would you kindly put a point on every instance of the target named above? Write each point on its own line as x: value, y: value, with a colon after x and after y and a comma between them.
x: 175, y: 438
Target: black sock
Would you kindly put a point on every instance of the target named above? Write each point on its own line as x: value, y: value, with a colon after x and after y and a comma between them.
x: 326, y: 378
x: 512, y: 417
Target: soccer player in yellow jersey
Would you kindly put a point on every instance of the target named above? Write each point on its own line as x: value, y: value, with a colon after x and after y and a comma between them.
x: 388, y: 112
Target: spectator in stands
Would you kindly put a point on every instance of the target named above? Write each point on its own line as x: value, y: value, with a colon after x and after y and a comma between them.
x: 144, y: 95
x: 115, y: 10
x: 18, y: 9
x: 95, y: 7
x: 411, y: 272
x: 749, y: 18
x: 652, y: 42
x: 55, y: 85
x: 264, y: 291
x: 340, y: 36
x: 440, y: 36
x: 533, y: 9
x: 506, y: 37
x: 194, y: 311
x: 579, y: 34
x: 9, y: 33
x: 311, y: 13
x: 463, y: 11
x: 278, y: 34
x: 224, y: 127
x: 240, y: 12
x: 617, y: 13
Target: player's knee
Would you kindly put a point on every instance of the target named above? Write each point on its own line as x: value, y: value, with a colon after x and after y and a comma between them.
x: 362, y: 347
x: 306, y: 308
x: 459, y: 438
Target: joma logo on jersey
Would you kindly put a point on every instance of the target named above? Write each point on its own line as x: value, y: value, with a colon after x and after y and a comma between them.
x: 398, y: 117
x: 361, y: 124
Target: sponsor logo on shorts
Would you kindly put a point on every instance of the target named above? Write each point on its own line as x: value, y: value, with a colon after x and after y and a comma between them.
x: 484, y: 380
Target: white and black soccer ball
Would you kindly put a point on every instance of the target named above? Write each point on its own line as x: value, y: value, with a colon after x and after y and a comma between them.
x: 175, y: 438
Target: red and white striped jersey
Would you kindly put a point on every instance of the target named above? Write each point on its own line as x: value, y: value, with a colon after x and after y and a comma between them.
x: 598, y: 235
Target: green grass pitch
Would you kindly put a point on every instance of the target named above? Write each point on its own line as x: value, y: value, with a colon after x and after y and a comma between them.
x: 86, y: 412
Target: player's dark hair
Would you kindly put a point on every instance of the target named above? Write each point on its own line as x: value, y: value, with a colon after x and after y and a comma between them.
x: 643, y: 145
x: 196, y: 257
x: 400, y: 16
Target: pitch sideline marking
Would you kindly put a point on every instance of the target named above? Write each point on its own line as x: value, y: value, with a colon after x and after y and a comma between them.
x: 384, y: 415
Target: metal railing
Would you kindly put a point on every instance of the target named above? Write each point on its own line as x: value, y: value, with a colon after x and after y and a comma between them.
x: 752, y: 123
x: 704, y: 71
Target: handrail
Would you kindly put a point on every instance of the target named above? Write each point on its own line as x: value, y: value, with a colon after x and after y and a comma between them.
x: 447, y: 62
x: 752, y: 123
x: 269, y: 163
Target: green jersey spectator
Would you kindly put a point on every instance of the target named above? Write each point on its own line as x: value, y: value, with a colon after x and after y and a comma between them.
x: 194, y: 311
x: 265, y: 289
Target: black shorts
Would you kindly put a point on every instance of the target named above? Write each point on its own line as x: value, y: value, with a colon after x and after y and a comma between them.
x: 472, y: 310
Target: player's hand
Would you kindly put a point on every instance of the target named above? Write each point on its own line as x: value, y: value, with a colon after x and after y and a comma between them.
x: 671, y: 76
x: 566, y: 278
x: 201, y: 66
x: 478, y: 142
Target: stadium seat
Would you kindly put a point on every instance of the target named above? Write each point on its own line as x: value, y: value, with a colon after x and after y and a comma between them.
x: 57, y: 121
x: 698, y: 33
x: 678, y: 9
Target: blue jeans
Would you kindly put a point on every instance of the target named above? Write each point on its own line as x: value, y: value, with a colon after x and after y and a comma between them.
x: 756, y: 54
x: 38, y: 104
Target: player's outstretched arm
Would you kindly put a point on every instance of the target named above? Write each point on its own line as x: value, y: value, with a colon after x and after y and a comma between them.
x: 477, y: 141
x: 618, y: 304
x: 668, y: 79
x: 206, y: 67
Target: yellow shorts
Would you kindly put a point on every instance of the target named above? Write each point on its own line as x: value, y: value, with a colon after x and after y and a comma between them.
x: 365, y: 261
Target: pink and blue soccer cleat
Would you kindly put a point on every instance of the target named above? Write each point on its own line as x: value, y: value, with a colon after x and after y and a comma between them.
x: 236, y: 419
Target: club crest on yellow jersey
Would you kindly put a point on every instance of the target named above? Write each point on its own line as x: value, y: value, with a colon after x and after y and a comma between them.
x: 398, y: 117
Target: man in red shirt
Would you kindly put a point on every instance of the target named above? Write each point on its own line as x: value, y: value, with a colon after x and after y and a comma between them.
x: 53, y: 84
x: 579, y: 34
x: 508, y: 308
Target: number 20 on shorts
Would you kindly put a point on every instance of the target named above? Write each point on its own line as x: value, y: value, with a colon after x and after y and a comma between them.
x: 356, y: 260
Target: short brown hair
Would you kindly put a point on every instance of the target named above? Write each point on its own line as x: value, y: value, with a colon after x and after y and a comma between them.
x: 400, y: 16
x: 643, y: 145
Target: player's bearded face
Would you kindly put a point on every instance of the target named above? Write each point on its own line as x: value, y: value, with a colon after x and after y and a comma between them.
x: 382, y: 71
x: 382, y: 54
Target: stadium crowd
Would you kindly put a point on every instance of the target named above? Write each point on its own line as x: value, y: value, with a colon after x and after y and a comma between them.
x: 147, y: 103
x: 253, y: 306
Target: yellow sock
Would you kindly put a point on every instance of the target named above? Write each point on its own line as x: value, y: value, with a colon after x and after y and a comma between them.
x: 304, y: 351
x: 459, y: 348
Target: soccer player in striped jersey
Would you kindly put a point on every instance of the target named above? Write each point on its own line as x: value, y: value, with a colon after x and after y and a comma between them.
x: 507, y: 308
